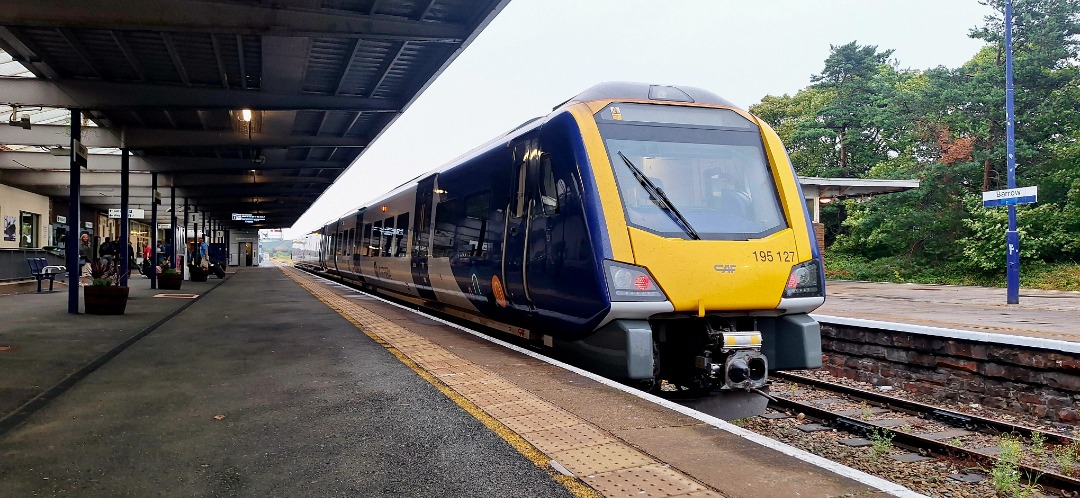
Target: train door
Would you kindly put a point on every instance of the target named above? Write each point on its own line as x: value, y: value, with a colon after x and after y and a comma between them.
x: 544, y: 244
x: 425, y: 189
x: 515, y: 244
x: 355, y: 234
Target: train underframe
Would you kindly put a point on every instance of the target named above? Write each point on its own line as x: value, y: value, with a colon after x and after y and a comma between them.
x: 725, y: 359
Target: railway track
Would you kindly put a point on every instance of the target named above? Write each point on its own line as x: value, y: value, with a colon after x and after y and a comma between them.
x: 928, y: 431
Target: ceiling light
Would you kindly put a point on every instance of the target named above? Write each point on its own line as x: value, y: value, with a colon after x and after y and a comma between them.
x: 245, y: 115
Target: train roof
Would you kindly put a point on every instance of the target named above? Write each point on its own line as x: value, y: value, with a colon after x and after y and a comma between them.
x: 611, y: 90
x: 618, y: 90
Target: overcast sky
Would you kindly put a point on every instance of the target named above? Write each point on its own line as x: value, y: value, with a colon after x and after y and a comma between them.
x: 537, y: 53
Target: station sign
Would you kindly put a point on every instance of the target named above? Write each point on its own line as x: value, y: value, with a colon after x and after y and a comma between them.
x: 247, y: 217
x: 1012, y: 196
x: 115, y: 213
x: 81, y: 154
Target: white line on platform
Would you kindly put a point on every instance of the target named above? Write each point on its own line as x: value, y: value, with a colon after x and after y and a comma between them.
x: 878, y: 483
x: 991, y: 338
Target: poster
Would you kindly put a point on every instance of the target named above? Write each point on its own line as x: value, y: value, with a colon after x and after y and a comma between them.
x: 9, y: 228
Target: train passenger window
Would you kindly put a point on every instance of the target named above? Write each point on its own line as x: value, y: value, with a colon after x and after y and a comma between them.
x: 472, y: 231
x: 549, y: 195
x: 446, y: 218
x: 402, y: 236
x: 376, y: 238
x: 365, y: 241
x: 388, y: 237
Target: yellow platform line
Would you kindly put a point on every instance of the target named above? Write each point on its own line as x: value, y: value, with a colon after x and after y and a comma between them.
x: 601, y: 464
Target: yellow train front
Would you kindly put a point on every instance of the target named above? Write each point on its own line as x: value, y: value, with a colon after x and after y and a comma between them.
x: 655, y: 234
x: 711, y: 263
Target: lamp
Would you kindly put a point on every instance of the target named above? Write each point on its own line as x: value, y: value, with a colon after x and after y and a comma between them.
x: 23, y: 122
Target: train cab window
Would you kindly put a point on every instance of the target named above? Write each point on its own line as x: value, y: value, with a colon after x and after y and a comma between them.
x: 388, y: 238
x: 365, y: 241
x: 402, y: 236
x: 706, y: 168
x: 376, y: 238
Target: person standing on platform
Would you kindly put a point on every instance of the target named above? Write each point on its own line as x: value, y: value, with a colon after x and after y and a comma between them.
x: 107, y: 250
x: 204, y: 254
x: 85, y: 255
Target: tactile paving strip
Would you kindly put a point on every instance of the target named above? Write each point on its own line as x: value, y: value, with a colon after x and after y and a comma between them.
x: 582, y: 461
x: 645, y: 481
x: 604, y: 462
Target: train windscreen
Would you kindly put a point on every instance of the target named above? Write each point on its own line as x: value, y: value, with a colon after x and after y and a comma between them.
x: 691, y: 172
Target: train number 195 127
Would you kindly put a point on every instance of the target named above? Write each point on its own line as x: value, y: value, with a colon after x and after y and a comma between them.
x: 774, y: 256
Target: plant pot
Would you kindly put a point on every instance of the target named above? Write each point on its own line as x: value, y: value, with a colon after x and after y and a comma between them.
x: 169, y: 281
x: 105, y: 300
x: 198, y: 274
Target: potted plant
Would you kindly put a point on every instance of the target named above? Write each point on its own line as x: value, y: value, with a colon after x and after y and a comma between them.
x: 104, y: 296
x: 169, y: 278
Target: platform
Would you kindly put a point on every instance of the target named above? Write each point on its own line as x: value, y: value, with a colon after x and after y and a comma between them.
x: 276, y: 384
x: 1043, y: 314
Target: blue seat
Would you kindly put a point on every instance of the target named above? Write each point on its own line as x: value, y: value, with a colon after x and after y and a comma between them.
x: 40, y: 269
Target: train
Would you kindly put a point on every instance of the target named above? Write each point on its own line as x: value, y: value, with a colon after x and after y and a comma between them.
x: 654, y: 234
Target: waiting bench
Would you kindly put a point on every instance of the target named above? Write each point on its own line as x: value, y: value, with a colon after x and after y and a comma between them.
x: 41, y: 269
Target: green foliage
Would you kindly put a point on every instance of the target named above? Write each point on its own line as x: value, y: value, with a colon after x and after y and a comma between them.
x: 864, y: 117
x: 880, y: 443
x: 1038, y: 444
x: 1005, y: 475
x: 1066, y: 457
x: 1044, y: 229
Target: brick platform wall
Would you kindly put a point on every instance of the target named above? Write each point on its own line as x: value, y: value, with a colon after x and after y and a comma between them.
x: 1021, y: 380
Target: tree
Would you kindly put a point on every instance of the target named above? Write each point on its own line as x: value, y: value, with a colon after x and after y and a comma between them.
x: 859, y: 78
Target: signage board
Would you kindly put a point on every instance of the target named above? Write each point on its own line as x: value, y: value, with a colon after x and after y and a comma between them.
x: 247, y: 217
x: 1012, y: 196
x: 61, y: 219
x: 81, y: 154
x: 115, y: 213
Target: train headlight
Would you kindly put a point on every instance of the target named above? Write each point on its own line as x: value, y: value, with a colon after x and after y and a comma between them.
x: 805, y: 280
x: 631, y: 283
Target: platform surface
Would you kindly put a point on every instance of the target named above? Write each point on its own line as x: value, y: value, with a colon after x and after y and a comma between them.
x: 1040, y: 313
x: 274, y: 383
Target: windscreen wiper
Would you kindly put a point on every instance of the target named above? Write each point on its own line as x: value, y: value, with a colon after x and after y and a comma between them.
x: 660, y: 197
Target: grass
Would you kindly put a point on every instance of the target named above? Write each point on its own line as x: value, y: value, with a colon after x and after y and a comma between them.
x: 1058, y: 276
x: 880, y: 443
x: 1066, y: 458
x: 1005, y: 475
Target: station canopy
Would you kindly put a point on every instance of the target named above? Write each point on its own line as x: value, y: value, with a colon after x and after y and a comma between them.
x: 846, y: 188
x: 246, y: 107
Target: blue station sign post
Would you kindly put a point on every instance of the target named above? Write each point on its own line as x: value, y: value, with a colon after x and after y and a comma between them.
x: 1012, y: 197
x: 1012, y: 237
